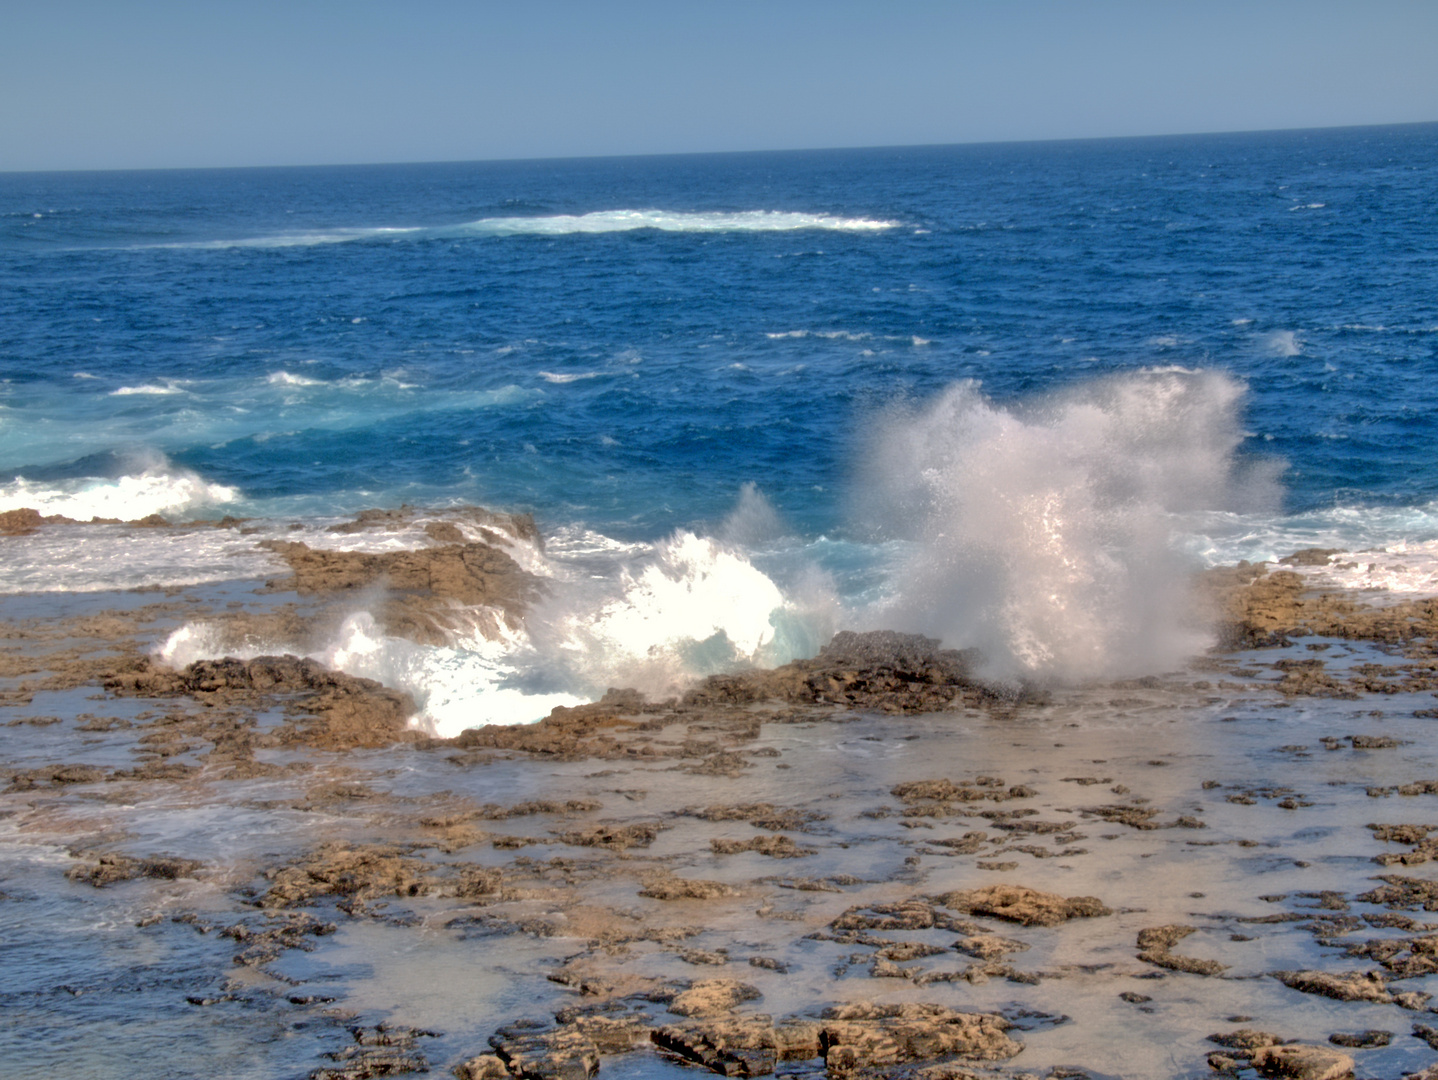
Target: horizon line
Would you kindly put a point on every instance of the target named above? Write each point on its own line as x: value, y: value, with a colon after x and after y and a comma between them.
x: 720, y: 153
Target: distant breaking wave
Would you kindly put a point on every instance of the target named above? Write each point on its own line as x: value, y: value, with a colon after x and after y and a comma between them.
x: 599, y: 221
x: 605, y: 221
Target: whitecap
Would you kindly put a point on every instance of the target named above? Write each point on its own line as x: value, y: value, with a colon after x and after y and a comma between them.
x: 568, y: 377
x: 607, y: 221
x: 284, y: 378
x: 147, y: 388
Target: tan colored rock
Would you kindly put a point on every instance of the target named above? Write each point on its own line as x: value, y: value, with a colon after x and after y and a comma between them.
x: 668, y: 887
x: 709, y: 996
x: 565, y: 1054
x: 482, y: 1067
x: 863, y: 1036
x: 1026, y: 906
x: 989, y: 946
x: 1347, y: 986
x: 1303, y: 1062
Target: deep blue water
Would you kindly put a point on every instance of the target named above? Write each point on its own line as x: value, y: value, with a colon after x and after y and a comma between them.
x: 424, y: 365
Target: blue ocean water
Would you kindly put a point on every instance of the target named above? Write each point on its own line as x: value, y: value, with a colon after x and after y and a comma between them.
x: 826, y: 363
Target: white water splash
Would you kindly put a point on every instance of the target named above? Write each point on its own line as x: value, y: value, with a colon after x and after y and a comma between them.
x: 1044, y: 533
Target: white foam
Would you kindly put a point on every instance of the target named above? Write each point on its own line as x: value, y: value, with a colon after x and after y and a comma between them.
x: 831, y: 335
x: 568, y: 377
x: 284, y: 378
x: 454, y: 687
x: 160, y: 489
x: 607, y: 221
x: 689, y: 606
x: 147, y: 388
x: 105, y: 558
x: 599, y: 221
x: 1221, y: 539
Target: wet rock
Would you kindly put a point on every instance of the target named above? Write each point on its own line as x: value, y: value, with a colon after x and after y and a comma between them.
x: 614, y: 1034
x: 1028, y: 907
x: 740, y: 1046
x: 1302, y: 1062
x: 431, y: 593
x: 565, y: 1054
x: 880, y: 671
x: 776, y: 847
x: 904, y: 915
x: 614, y: 837
x: 108, y: 869
x: 760, y: 815
x: 1156, y: 942
x: 1363, y: 1040
x: 1404, y: 893
x: 1310, y: 557
x: 365, y: 872
x: 866, y: 1035
x: 378, y: 1051
x: 482, y: 1067
x: 989, y: 946
x: 668, y: 887
x: 1347, y: 986
x: 1245, y: 1040
x: 348, y: 712
x: 709, y: 996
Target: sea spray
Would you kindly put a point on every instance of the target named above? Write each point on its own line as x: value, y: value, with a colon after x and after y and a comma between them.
x: 651, y: 617
x: 1043, y: 533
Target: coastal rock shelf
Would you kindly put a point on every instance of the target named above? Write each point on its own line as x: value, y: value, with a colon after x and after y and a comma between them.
x: 868, y: 863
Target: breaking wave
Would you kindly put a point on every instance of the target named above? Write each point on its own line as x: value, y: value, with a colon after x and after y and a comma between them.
x: 653, y: 617
x: 159, y: 488
x: 598, y: 221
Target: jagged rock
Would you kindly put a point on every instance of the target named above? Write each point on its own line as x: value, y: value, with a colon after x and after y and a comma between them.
x: 1302, y: 1062
x: 482, y: 1067
x: 776, y: 847
x: 1348, y: 986
x: 1156, y: 942
x: 989, y: 946
x: 431, y: 592
x: 614, y: 1035
x: 865, y: 1035
x: 1363, y: 1040
x: 1245, y: 1040
x: 565, y: 1054
x: 108, y: 869
x: 1019, y: 904
x: 737, y: 1046
x: 668, y: 887
x: 349, y: 712
x: 709, y: 996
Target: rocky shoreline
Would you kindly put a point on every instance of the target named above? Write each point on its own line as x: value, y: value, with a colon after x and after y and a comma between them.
x: 867, y: 863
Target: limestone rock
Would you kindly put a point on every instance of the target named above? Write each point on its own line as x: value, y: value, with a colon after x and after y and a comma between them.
x: 565, y: 1054
x: 1302, y: 1062
x: 709, y: 996
x: 1019, y: 904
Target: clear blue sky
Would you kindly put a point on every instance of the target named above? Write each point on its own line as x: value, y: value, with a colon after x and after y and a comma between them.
x: 154, y: 83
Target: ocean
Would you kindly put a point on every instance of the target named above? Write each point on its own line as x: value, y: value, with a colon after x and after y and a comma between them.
x: 1005, y: 395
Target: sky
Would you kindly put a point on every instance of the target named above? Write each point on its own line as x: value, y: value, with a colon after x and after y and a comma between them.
x: 96, y: 84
